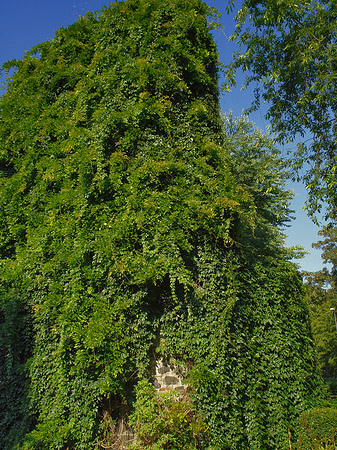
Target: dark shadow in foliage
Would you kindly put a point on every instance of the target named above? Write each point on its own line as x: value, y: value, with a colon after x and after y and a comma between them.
x: 15, y: 349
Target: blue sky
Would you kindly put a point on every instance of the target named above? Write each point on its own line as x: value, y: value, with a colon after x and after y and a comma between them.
x: 25, y: 24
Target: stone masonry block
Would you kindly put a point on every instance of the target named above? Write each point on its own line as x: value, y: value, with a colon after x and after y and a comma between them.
x: 169, y: 381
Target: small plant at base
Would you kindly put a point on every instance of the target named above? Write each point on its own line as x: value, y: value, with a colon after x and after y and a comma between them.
x: 166, y: 421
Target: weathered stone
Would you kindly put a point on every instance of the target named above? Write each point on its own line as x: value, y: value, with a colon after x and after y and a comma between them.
x: 166, y: 389
x: 163, y: 369
x: 167, y: 376
x: 127, y: 436
x: 169, y: 381
x: 180, y: 389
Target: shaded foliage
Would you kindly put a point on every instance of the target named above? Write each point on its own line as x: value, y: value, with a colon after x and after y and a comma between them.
x: 321, y: 294
x: 320, y: 301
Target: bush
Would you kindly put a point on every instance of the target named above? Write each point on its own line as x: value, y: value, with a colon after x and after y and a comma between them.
x: 166, y: 420
x: 317, y: 429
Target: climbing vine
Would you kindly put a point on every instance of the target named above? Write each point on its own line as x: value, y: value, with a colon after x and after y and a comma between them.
x: 134, y: 213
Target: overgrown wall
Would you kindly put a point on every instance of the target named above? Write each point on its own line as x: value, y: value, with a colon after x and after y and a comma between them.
x: 130, y: 210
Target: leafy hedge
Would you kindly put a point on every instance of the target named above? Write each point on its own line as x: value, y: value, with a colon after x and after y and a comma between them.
x: 131, y: 212
x: 317, y: 428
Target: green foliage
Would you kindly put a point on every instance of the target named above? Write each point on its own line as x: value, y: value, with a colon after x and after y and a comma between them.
x: 253, y: 361
x: 289, y: 51
x: 320, y: 300
x: 329, y: 251
x: 321, y: 294
x: 163, y: 420
x: 111, y: 172
x: 15, y: 336
x: 317, y: 429
x: 257, y: 165
x: 132, y: 214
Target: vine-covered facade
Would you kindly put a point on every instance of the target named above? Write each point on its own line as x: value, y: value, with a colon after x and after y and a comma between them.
x: 138, y: 221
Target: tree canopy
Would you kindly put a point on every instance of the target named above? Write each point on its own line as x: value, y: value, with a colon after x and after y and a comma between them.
x: 136, y: 220
x: 328, y: 245
x: 288, y: 50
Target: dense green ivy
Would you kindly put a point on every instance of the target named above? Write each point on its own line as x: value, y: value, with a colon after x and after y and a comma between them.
x: 132, y: 211
x: 253, y: 360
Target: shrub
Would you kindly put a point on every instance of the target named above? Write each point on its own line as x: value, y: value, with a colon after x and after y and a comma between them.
x: 166, y: 420
x: 317, y: 429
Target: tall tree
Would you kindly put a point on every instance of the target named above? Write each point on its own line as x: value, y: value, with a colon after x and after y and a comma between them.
x: 289, y: 51
x: 329, y: 251
x: 133, y: 214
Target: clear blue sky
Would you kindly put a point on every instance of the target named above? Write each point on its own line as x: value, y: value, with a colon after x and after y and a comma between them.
x: 23, y: 24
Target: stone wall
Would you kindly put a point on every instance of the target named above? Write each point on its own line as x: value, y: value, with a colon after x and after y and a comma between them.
x: 168, y: 376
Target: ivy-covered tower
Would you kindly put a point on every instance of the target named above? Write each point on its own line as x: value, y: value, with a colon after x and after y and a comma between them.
x: 137, y: 221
